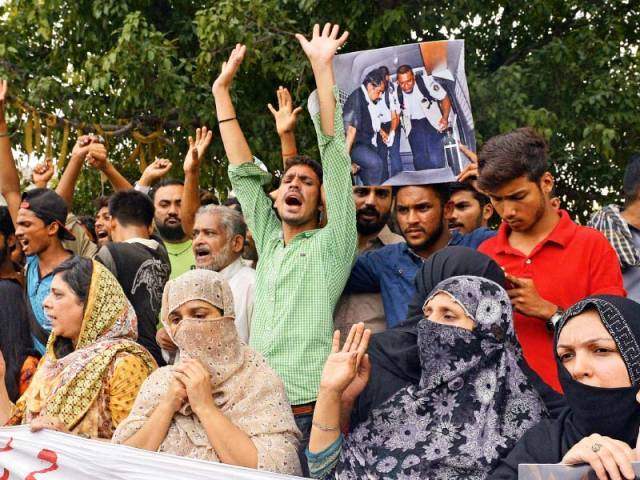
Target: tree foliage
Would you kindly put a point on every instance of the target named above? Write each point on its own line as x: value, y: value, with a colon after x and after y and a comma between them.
x: 568, y: 68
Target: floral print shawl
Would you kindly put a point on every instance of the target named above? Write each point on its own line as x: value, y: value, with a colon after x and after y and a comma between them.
x: 66, y: 388
x: 472, y: 403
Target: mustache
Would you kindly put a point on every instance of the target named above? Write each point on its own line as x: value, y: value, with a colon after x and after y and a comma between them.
x: 414, y: 229
x: 368, y: 210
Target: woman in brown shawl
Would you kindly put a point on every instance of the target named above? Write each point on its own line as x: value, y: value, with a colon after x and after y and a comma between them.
x: 92, y: 369
x: 220, y: 401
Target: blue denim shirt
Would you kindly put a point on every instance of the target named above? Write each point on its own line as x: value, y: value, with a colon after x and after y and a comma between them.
x: 391, y: 270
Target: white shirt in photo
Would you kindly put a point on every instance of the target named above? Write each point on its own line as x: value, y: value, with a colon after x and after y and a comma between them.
x: 384, y: 111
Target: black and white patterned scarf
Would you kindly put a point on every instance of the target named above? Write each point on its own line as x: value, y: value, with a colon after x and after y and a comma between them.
x: 472, y: 403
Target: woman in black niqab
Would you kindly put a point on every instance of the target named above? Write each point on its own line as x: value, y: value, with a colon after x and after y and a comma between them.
x: 394, y: 354
x: 602, y: 418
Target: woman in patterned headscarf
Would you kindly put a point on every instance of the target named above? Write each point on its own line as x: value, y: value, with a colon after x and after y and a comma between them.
x: 92, y: 369
x: 472, y: 404
x: 597, y: 348
x: 220, y: 401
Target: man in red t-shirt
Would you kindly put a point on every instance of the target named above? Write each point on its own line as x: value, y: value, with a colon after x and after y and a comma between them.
x: 550, y: 261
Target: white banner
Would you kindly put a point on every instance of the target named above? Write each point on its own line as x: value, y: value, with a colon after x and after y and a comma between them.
x: 48, y: 455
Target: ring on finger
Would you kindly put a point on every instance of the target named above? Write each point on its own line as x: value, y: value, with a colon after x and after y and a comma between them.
x: 596, y: 447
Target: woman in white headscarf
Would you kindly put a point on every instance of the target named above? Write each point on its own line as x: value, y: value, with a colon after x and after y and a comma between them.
x: 220, y: 401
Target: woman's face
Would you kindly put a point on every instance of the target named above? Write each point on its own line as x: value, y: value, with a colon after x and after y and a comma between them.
x: 443, y: 309
x: 64, y: 309
x: 192, y: 309
x: 589, y: 354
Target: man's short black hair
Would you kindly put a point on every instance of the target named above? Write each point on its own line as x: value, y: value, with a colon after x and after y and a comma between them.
x: 384, y: 70
x: 466, y: 187
x: 131, y: 207
x: 101, y: 202
x: 631, y: 182
x: 375, y: 77
x: 441, y: 190
x: 165, y: 182
x: 6, y: 224
x: 402, y: 69
x: 521, y: 152
x: 303, y: 160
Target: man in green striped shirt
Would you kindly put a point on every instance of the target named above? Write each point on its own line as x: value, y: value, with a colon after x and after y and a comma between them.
x: 302, y: 269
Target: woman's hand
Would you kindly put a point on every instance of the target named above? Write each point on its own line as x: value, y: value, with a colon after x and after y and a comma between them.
x: 175, y: 396
x: 343, y: 367
x: 50, y: 423
x: 609, y: 458
x: 197, y: 381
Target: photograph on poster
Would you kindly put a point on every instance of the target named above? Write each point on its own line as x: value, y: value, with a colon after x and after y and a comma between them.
x: 406, y: 109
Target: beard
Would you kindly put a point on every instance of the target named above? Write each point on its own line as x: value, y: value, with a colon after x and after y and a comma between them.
x: 368, y: 227
x: 219, y: 260
x: 431, y: 240
x: 171, y: 234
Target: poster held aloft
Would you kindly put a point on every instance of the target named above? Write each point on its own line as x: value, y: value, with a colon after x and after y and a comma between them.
x: 405, y: 109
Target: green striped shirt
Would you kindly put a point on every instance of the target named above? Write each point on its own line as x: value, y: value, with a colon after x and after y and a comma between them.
x: 298, y: 285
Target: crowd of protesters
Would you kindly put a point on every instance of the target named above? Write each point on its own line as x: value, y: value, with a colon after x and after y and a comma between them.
x: 324, y: 329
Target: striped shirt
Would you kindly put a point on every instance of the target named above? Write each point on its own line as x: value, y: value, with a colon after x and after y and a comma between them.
x: 298, y: 285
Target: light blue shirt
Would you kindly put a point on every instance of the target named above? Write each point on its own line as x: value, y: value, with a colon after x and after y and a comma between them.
x: 37, y: 290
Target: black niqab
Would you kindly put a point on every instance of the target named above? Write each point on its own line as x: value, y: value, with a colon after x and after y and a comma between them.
x: 612, y: 412
x: 394, y: 353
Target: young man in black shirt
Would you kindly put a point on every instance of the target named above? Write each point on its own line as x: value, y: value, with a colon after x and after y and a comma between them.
x: 139, y: 262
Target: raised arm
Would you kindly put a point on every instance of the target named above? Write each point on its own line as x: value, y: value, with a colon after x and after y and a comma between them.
x: 345, y: 369
x: 42, y: 173
x: 67, y: 183
x: 9, y: 179
x: 235, y: 145
x: 286, y: 117
x: 97, y: 158
x: 191, y: 192
x: 320, y: 51
x: 154, y: 172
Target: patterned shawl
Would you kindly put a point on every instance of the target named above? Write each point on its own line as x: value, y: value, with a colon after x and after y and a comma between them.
x: 66, y: 388
x: 243, y: 386
x: 472, y: 403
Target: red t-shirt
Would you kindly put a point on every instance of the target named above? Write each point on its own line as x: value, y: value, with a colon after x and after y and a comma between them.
x: 572, y: 263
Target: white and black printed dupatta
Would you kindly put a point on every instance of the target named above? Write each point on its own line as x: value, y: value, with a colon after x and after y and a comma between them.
x: 471, y: 406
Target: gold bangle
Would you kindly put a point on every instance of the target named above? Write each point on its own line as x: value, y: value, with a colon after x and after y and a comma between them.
x: 324, y: 428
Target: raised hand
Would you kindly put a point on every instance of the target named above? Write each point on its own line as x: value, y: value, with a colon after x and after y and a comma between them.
x: 81, y: 148
x: 197, y: 149
x: 322, y: 47
x: 155, y: 171
x: 229, y: 68
x: 97, y: 156
x: 343, y: 365
x: 42, y: 173
x: 4, y: 91
x: 286, y: 116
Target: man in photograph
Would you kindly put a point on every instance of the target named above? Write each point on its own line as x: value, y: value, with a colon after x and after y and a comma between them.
x: 389, y: 111
x: 366, y: 141
x: 425, y: 108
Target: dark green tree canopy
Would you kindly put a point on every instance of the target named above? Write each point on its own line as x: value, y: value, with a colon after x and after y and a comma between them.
x: 570, y: 69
